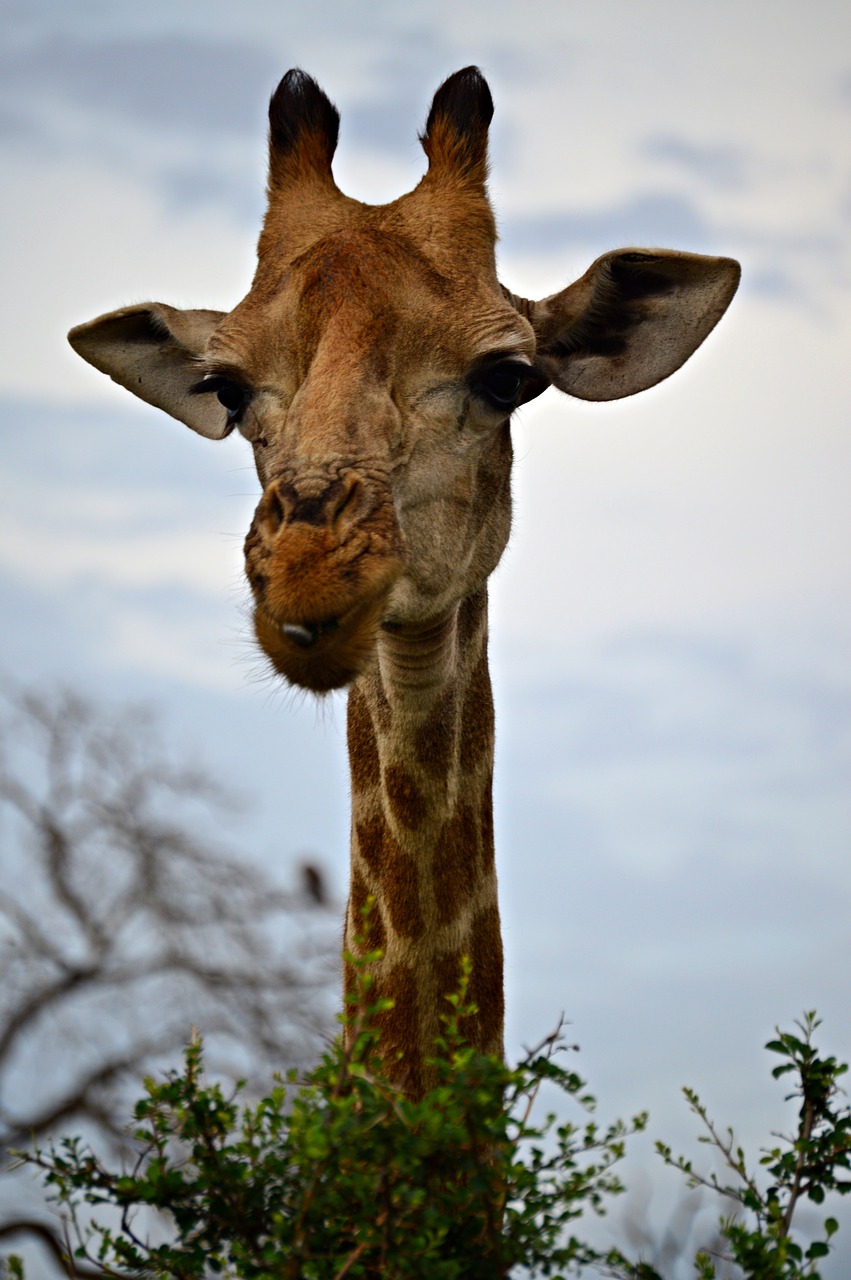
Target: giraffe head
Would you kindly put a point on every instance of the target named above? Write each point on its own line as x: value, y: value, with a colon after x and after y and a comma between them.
x: 374, y: 365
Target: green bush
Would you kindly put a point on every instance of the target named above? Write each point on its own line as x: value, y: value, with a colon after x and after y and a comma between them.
x: 815, y: 1161
x: 342, y: 1176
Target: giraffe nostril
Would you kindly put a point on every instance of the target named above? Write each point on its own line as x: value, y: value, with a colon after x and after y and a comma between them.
x: 348, y: 503
x: 305, y: 637
x: 306, y: 634
x: 275, y: 511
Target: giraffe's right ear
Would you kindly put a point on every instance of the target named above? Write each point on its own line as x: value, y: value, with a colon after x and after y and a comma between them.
x: 303, y: 129
x: 154, y: 350
x: 633, y: 319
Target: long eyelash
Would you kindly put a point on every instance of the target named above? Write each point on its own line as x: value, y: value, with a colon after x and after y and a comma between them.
x: 217, y: 383
x: 529, y: 378
x: 210, y: 383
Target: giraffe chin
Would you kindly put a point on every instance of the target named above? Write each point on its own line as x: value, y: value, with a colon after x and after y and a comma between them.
x: 326, y: 655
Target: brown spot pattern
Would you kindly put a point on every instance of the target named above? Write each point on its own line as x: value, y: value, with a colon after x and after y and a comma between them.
x: 407, y: 803
x: 399, y: 1028
x: 369, y: 927
x: 487, y: 850
x: 396, y: 879
x: 477, y: 720
x: 370, y: 838
x: 454, y: 864
x: 363, y: 749
x: 435, y: 739
x: 447, y: 977
x: 349, y: 981
x: 402, y: 895
x: 486, y: 989
x: 383, y: 710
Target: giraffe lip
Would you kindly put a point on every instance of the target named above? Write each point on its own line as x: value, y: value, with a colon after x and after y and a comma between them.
x: 322, y: 639
x: 325, y: 655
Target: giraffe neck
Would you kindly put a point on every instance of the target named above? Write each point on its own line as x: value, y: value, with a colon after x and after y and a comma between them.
x: 420, y: 729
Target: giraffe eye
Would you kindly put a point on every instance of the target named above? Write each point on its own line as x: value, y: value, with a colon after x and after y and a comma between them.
x: 232, y: 395
x: 509, y: 383
x: 502, y: 384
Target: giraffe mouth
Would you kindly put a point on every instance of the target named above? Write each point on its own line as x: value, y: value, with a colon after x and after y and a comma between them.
x: 322, y: 654
x: 320, y: 597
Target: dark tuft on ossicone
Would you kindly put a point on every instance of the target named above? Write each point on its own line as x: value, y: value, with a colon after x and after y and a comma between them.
x: 298, y: 107
x: 464, y: 100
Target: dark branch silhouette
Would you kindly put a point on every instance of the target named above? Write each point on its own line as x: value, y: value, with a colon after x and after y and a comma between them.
x: 124, y: 924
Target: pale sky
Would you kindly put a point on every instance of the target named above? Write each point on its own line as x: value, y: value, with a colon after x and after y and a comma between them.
x: 671, y: 623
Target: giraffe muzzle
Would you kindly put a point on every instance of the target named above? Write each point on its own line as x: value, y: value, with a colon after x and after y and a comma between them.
x: 321, y: 559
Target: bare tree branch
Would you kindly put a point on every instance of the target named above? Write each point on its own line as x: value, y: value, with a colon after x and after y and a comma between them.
x: 50, y: 1237
x: 122, y: 924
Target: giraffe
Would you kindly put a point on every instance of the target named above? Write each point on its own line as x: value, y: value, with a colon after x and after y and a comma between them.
x: 373, y: 367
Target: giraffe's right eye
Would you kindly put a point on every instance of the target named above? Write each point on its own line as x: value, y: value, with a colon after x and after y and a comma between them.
x: 505, y: 384
x: 232, y: 395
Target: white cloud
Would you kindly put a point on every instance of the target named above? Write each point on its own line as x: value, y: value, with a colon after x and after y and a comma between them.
x: 165, y: 558
x: 209, y: 652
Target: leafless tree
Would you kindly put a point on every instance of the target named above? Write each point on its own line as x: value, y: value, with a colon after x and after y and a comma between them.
x: 124, y: 923
x: 668, y: 1238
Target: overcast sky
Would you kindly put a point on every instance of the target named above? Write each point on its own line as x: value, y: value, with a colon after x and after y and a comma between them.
x: 671, y: 624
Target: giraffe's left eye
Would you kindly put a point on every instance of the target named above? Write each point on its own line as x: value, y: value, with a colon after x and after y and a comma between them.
x: 233, y: 398
x: 232, y: 395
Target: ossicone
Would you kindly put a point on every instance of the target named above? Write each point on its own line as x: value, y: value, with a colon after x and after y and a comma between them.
x: 456, y: 133
x: 303, y: 129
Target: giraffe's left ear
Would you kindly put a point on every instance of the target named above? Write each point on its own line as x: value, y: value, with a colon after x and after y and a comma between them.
x: 630, y: 321
x: 456, y: 133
